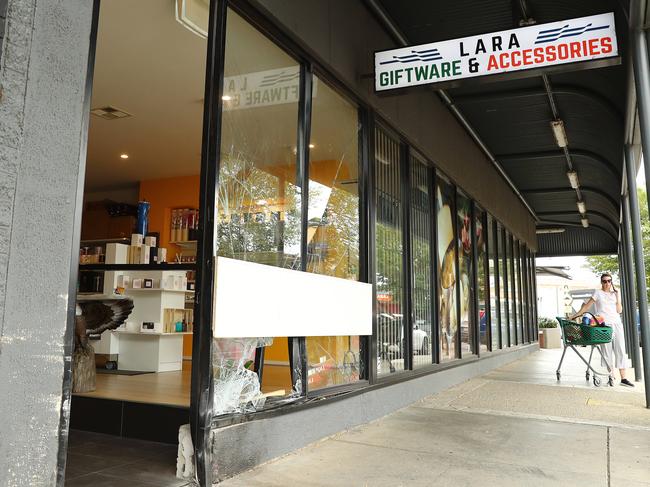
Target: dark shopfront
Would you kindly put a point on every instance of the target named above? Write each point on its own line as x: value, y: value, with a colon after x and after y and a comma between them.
x: 304, y: 167
x: 315, y: 173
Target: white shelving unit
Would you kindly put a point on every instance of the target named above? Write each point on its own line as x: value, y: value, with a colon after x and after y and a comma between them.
x: 146, y: 351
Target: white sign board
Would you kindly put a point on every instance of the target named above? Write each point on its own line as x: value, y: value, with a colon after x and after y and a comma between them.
x: 535, y: 46
x: 256, y: 300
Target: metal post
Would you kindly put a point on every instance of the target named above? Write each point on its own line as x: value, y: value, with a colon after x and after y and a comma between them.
x: 625, y: 293
x: 626, y: 312
x: 641, y: 80
x: 629, y: 267
x: 633, y: 216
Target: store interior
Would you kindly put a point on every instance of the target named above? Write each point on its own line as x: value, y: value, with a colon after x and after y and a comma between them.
x: 144, y: 145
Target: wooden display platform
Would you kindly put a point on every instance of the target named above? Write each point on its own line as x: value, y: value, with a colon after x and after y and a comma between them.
x: 164, y: 388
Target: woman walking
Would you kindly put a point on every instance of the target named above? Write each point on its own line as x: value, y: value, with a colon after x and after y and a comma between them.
x: 607, y: 300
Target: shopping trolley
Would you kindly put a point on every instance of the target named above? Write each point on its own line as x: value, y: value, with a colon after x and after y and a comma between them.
x: 576, y: 334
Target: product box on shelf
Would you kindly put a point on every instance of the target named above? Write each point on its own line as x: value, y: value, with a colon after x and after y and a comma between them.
x: 123, y: 281
x: 137, y: 239
x: 151, y: 327
x: 117, y: 253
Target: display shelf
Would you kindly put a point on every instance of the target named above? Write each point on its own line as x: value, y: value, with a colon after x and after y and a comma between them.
x: 167, y: 266
x: 124, y: 332
x: 159, y: 289
x: 96, y: 241
x: 185, y: 244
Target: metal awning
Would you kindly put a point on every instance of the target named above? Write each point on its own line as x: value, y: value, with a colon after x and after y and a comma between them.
x: 512, y: 118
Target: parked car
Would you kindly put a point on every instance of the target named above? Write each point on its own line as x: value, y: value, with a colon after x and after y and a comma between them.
x: 393, y: 335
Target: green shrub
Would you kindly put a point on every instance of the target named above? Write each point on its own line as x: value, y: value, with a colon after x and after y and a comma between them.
x: 547, y: 323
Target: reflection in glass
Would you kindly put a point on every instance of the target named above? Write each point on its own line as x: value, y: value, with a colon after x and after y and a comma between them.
x: 333, y: 224
x: 446, y: 267
x: 259, y: 196
x: 422, y: 295
x: 495, y: 311
x: 388, y: 255
x: 503, y: 288
x: 466, y: 270
x: 481, y: 277
x: 259, y: 199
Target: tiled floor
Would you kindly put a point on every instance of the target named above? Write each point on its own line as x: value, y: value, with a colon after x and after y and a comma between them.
x: 107, y: 461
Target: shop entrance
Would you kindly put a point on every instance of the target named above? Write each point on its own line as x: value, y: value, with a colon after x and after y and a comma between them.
x: 138, y: 279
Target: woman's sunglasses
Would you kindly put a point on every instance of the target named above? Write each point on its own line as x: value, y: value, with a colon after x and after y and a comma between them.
x: 605, y: 281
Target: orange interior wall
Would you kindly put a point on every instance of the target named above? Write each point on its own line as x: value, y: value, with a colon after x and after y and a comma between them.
x: 165, y: 195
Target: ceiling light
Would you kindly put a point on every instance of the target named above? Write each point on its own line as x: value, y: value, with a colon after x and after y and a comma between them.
x: 261, y: 202
x: 226, y: 97
x: 124, y: 156
x: 585, y: 222
x: 582, y: 207
x: 573, y: 179
x: 550, y: 230
x: 559, y: 133
x: 311, y: 146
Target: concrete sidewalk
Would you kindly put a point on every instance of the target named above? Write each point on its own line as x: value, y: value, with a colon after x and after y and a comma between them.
x: 514, y: 426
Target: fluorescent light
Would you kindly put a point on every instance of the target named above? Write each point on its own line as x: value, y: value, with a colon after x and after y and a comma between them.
x: 585, y: 222
x: 582, y: 207
x: 550, y: 230
x: 573, y: 179
x: 226, y: 97
x: 124, y: 156
x: 559, y: 133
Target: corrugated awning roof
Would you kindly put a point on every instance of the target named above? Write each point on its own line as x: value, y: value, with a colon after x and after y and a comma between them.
x: 513, y: 117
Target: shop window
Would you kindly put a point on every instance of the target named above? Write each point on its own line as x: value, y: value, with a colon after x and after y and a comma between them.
x: 493, y: 262
x: 446, y: 270
x: 333, y: 224
x: 421, y: 248
x: 259, y: 198
x: 481, y: 278
x: 520, y: 296
x: 525, y: 293
x: 512, y: 289
x: 388, y: 255
x: 503, y: 287
x: 465, y: 274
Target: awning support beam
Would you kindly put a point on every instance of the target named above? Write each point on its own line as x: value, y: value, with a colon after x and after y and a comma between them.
x: 641, y: 65
x: 639, y: 265
x: 628, y: 276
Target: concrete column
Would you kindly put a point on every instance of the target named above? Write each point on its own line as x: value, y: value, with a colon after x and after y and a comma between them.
x: 42, y: 158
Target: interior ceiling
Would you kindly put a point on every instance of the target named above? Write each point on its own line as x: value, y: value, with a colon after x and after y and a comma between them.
x: 513, y: 117
x: 152, y: 67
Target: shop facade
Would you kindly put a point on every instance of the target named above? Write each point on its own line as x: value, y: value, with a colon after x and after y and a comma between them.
x: 304, y: 167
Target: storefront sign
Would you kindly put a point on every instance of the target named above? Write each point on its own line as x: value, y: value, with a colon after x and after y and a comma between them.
x: 536, y: 46
x: 262, y: 88
x: 257, y: 300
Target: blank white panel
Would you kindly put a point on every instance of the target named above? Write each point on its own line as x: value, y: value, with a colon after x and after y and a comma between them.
x: 256, y: 300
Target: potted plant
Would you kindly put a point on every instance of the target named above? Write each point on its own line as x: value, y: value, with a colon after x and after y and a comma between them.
x: 550, y: 335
